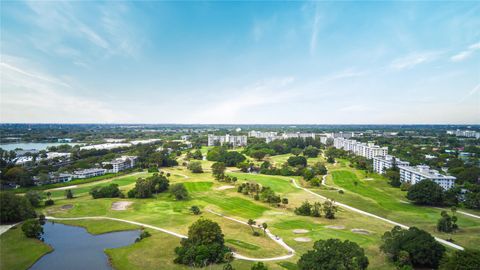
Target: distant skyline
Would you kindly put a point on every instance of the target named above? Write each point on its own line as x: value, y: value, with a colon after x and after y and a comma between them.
x: 240, y: 62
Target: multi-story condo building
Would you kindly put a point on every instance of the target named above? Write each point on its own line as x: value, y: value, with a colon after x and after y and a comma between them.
x: 235, y: 141
x: 121, y: 163
x: 87, y: 173
x: 464, y: 133
x: 367, y: 150
x: 285, y: 136
x: 381, y: 163
x: 415, y: 174
x: 262, y: 134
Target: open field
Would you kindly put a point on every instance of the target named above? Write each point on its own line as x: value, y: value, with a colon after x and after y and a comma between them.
x: 165, y: 212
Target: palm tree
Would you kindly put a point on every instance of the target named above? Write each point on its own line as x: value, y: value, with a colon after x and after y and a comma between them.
x: 264, y: 225
x: 251, y: 222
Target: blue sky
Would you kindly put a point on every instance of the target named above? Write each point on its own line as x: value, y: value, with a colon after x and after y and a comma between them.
x: 240, y: 62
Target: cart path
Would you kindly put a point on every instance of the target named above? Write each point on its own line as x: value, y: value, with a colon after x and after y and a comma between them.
x: 236, y: 255
x: 353, y: 209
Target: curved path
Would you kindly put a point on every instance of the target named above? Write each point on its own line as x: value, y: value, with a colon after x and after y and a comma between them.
x: 353, y: 209
x: 236, y: 255
x: 179, y: 174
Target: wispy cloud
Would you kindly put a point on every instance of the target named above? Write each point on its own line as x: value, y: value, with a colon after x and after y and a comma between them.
x: 414, y: 59
x: 465, y: 54
x: 31, y: 96
x: 316, y: 25
x: 471, y: 93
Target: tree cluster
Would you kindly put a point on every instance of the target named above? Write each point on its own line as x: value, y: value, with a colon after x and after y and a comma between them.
x: 146, y: 187
x: 195, y: 167
x: 14, y: 208
x: 328, y: 209
x: 110, y: 191
x: 229, y: 158
x: 260, y: 193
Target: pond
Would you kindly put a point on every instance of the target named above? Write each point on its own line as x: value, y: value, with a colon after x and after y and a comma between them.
x: 75, y: 248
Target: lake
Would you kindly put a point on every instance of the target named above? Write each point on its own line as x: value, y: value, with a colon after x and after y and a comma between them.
x: 25, y: 146
x: 75, y: 248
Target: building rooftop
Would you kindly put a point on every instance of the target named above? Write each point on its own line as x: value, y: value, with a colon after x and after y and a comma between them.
x: 426, y: 172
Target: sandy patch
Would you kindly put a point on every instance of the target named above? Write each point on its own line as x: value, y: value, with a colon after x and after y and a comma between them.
x: 336, y: 227
x: 299, y: 231
x: 302, y: 239
x: 225, y: 187
x: 120, y: 206
x: 368, y: 179
x: 404, y: 202
x: 360, y: 231
x: 67, y: 207
x: 63, y: 188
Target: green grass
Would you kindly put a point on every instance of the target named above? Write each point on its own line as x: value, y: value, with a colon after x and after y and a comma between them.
x: 236, y: 206
x: 19, y: 252
x: 198, y: 186
x: 242, y: 244
x: 277, y: 183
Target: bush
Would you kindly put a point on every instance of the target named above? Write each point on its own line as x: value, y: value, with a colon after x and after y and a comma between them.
x: 255, y: 233
x: 195, y: 167
x: 144, y: 234
x: 14, y: 208
x: 461, y: 260
x: 179, y: 191
x: 68, y: 194
x: 304, y: 210
x: 195, y: 210
x: 259, y: 266
x: 49, y: 202
x: 35, y: 197
x: 297, y: 161
x: 32, y: 228
x: 110, y: 191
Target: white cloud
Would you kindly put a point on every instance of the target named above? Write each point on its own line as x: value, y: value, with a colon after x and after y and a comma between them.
x: 31, y: 96
x: 413, y: 60
x: 315, y: 29
x: 463, y: 55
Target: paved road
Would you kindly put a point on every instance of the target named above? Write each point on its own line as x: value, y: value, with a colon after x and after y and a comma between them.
x: 236, y: 255
x: 353, y: 209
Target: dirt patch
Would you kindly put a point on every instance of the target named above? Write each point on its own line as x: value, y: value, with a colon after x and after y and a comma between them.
x: 66, y: 207
x: 225, y: 187
x: 360, y: 231
x: 120, y: 206
x: 336, y: 227
x: 302, y: 239
x: 300, y: 231
x: 368, y: 179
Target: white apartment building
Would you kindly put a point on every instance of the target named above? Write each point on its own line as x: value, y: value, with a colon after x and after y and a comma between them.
x: 464, y: 133
x: 121, y: 163
x: 367, y: 150
x: 87, y: 173
x: 381, y: 163
x: 236, y: 141
x: 262, y: 134
x: 285, y: 136
x: 415, y: 174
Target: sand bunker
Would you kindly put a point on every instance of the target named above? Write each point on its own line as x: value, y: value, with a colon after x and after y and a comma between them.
x: 67, y: 207
x: 368, y: 179
x: 119, y: 206
x: 225, y: 187
x: 299, y: 231
x: 337, y: 227
x: 360, y: 231
x: 302, y: 239
x: 67, y: 187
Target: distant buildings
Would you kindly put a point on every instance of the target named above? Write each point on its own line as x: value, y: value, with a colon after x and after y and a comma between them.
x: 367, y: 150
x: 87, y: 173
x: 464, y: 133
x: 105, y: 146
x: 235, y: 141
x: 121, y: 163
x: 416, y: 174
x: 271, y: 136
x: 381, y: 163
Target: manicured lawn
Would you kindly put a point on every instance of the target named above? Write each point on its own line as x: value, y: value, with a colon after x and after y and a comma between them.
x: 236, y: 206
x: 277, y: 183
x: 19, y: 252
x: 198, y: 186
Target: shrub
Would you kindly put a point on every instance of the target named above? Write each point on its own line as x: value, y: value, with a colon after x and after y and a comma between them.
x: 32, y: 228
x: 304, y: 210
x: 35, y: 197
x: 195, y: 167
x: 14, y: 208
x: 110, y: 191
x: 68, y: 194
x: 195, y: 210
x: 179, y: 191
x: 49, y: 202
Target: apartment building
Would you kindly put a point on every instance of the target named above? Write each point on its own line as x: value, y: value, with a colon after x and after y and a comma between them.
x: 464, y: 133
x: 367, y: 150
x: 381, y: 163
x: 290, y: 135
x: 235, y: 141
x: 262, y: 134
x: 87, y: 173
x: 416, y: 174
x: 121, y: 163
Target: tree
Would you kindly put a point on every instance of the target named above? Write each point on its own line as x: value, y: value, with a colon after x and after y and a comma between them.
x: 304, y: 210
x: 285, y: 202
x: 329, y: 208
x: 143, y: 188
x: 334, y: 254
x: 32, y: 228
x: 296, y: 151
x: 423, y: 250
x: 218, y: 170
x: 447, y: 223
x: 195, y: 210
x: 259, y: 266
x: 35, y: 197
x: 394, y: 176
x: 228, y: 266
x: 297, y: 161
x: 68, y: 194
x: 258, y: 155
x: 110, y: 191
x: 14, y: 208
x: 19, y: 176
x: 179, y: 191
x: 205, y: 245
x: 250, y: 223
x: 426, y: 192
x: 311, y: 151
x: 195, y: 167
x: 264, y: 226
x: 461, y: 260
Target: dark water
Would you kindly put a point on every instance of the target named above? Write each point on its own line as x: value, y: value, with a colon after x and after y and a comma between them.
x: 75, y: 248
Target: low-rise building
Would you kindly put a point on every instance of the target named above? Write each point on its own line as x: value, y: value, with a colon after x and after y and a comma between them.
x: 121, y: 163
x: 87, y: 173
x: 235, y: 141
x: 413, y: 175
x: 367, y: 150
x: 382, y: 163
